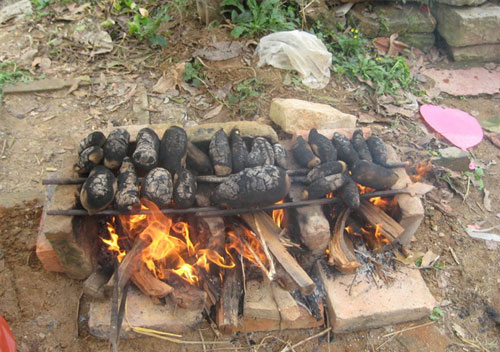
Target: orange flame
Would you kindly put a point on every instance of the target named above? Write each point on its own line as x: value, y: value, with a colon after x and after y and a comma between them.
x: 112, y: 243
x: 278, y: 215
x: 421, y: 170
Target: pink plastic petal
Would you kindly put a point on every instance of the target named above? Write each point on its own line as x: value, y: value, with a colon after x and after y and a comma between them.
x: 457, y: 126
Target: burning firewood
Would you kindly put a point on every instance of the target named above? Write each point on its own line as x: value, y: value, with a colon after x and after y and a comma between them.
x: 239, y: 151
x: 326, y: 169
x: 349, y: 193
x: 228, y: 305
x: 173, y: 149
x: 157, y: 187
x: 389, y: 228
x: 262, y: 153
x: 184, y: 188
x: 340, y: 254
x: 322, y: 146
x: 198, y: 161
x: 127, y: 197
x: 115, y: 148
x: 88, y: 159
x: 147, y: 282
x: 323, y: 186
x: 220, y: 153
x: 98, y: 190
x: 147, y: 151
x: 345, y: 150
x: 252, y: 187
x: 280, y: 156
x: 360, y: 145
x: 303, y: 154
x: 96, y: 138
x: 187, y: 296
x: 372, y: 175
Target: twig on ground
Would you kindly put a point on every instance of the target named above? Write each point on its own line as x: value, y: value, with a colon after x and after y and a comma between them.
x: 306, y: 340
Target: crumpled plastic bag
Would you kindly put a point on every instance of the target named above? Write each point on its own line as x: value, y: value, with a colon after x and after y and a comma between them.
x: 299, y: 51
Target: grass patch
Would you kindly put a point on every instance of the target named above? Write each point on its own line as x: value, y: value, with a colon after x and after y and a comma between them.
x: 9, y: 73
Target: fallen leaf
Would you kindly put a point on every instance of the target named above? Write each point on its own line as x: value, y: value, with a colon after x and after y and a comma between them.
x: 219, y: 51
x: 143, y: 12
x: 212, y: 113
x: 395, y: 46
x: 74, y: 8
x: 171, y: 80
x: 487, y: 200
x: 428, y: 258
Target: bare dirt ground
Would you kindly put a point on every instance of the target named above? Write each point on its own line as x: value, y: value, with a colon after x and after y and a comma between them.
x: 37, y: 130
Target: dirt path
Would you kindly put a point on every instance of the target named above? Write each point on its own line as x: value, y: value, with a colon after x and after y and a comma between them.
x: 38, y: 130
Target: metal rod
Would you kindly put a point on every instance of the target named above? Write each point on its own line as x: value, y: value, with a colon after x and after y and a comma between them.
x: 202, y: 178
x: 213, y: 211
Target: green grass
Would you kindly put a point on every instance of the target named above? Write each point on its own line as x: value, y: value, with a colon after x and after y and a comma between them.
x: 9, y: 73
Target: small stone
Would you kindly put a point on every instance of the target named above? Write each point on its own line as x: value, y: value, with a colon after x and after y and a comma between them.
x: 453, y: 158
x: 441, y: 234
x: 293, y: 115
x: 477, y: 53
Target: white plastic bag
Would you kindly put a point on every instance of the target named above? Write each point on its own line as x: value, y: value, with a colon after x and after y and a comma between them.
x: 300, y: 51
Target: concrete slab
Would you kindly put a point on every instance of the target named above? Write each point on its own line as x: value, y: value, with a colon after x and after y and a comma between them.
x: 365, y: 305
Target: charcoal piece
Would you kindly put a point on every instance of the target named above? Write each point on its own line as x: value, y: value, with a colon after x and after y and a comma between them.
x: 360, y: 145
x: 322, y: 146
x: 326, y: 169
x: 147, y: 150
x: 184, y: 188
x: 372, y: 175
x: 345, y: 150
x: 378, y: 150
x: 220, y: 153
x: 157, y: 187
x: 323, y: 186
x: 127, y: 198
x: 280, y: 156
x: 98, y: 190
x: 88, y: 159
x: 115, y: 148
x: 173, y: 149
x: 253, y: 187
x: 96, y: 138
x: 198, y: 161
x: 262, y: 153
x: 239, y: 151
x: 349, y: 193
x: 303, y: 154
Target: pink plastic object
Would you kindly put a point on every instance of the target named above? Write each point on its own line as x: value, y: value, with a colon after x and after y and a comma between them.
x: 455, y: 125
x: 7, y: 342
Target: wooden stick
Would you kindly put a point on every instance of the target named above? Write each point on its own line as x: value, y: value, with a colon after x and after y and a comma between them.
x: 340, y: 254
x: 212, y: 211
x: 227, y: 307
x: 270, y: 233
x: 292, y: 348
x: 147, y: 282
x: 389, y: 228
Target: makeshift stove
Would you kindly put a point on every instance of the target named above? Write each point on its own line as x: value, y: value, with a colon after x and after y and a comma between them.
x: 275, y: 245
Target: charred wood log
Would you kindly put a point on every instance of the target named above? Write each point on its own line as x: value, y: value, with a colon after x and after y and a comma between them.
x: 326, y: 169
x: 280, y: 156
x: 303, y: 154
x: 322, y: 146
x: 185, y: 295
x: 96, y: 138
x: 372, y: 175
x: 147, y: 282
x: 360, y: 145
x: 99, y: 190
x: 198, y: 161
x: 388, y: 227
x: 253, y: 187
x: 228, y: 306
x: 93, y: 286
x: 88, y: 159
x: 184, y: 188
x: 345, y: 150
x: 323, y: 186
x: 115, y: 148
x: 157, y: 187
x: 220, y: 153
x: 349, y: 193
x: 340, y: 254
x: 127, y: 198
x: 262, y: 153
x: 173, y: 149
x: 239, y: 151
x: 147, y: 150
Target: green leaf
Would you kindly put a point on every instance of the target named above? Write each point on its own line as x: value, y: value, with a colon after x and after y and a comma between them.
x: 437, y: 313
x: 237, y: 31
x: 157, y: 39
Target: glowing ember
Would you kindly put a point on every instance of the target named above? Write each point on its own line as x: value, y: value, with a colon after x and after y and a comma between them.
x: 421, y: 170
x: 278, y: 215
x: 171, y: 249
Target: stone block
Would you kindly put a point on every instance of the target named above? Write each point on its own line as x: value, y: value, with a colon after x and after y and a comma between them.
x: 259, y: 302
x: 293, y: 115
x: 364, y: 305
x: 452, y: 158
x: 385, y: 19
x: 422, y: 41
x: 142, y: 312
x: 465, y: 26
x: 462, y: 2
x: 476, y: 53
